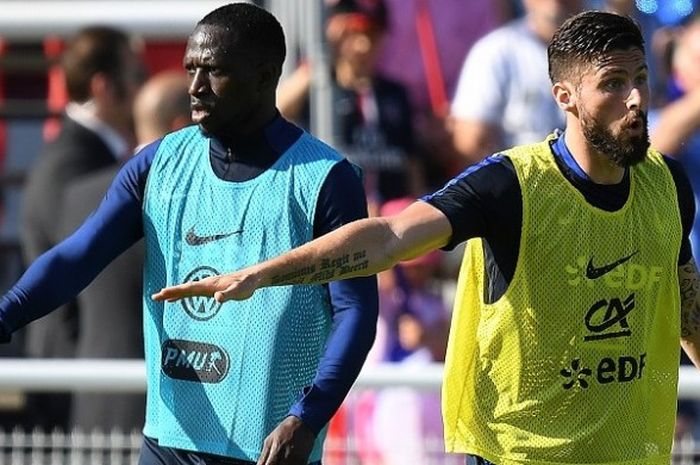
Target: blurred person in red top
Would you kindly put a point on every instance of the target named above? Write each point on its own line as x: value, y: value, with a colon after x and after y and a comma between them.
x: 409, y: 295
x: 394, y: 426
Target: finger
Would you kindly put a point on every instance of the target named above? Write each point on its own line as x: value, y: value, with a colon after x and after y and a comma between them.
x: 173, y: 293
x: 230, y: 293
x: 204, y: 287
x: 262, y: 460
x: 273, y: 458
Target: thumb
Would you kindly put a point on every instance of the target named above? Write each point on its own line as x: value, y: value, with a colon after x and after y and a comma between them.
x: 221, y: 297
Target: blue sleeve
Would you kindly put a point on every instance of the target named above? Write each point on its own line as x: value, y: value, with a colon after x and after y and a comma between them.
x: 355, y: 305
x: 63, y: 271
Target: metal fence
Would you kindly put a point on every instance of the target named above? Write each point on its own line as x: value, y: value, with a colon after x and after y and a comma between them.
x: 74, y: 448
x: 122, y: 448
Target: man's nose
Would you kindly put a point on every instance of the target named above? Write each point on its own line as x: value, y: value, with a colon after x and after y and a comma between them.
x: 198, y: 82
x: 634, y: 99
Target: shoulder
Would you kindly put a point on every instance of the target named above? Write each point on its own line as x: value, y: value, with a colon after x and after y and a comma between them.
x: 75, y: 141
x: 341, y: 199
x: 491, y: 176
x: 680, y: 178
x: 673, y: 165
x: 187, y: 133
x: 310, y: 146
x: 502, y: 38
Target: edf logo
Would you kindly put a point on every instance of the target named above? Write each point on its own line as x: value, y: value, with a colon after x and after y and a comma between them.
x: 608, y: 370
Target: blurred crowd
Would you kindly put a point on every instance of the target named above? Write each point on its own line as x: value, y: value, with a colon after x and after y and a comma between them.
x: 422, y: 89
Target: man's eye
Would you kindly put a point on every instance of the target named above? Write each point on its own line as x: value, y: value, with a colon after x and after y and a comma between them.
x: 613, y: 85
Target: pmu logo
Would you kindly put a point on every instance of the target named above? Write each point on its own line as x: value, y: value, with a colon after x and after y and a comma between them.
x: 199, y: 307
x: 194, y: 361
x: 607, y: 319
x: 608, y: 370
x: 620, y: 273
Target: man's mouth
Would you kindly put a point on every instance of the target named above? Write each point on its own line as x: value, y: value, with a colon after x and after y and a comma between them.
x: 199, y: 111
x: 635, y: 123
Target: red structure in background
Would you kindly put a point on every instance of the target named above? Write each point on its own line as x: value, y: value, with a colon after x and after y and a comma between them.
x: 163, y: 55
x: 3, y: 130
x: 56, y: 96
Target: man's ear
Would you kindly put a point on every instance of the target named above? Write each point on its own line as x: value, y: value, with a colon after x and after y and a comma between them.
x: 99, y: 86
x: 564, y: 93
x: 106, y: 88
x: 268, y: 76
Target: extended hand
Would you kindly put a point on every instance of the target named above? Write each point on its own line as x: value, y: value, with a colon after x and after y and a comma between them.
x: 234, y: 286
x: 290, y: 443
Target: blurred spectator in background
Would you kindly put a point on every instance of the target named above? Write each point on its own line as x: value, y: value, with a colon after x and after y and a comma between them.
x: 407, y: 422
x: 424, y: 48
x: 425, y: 45
x: 675, y: 129
x: 409, y: 288
x: 399, y: 425
x: 503, y: 96
x: 162, y: 106
x: 373, y: 113
x: 110, y: 308
x: 655, y: 42
x: 102, y: 74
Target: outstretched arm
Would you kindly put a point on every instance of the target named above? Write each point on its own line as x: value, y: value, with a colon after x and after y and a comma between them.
x: 62, y: 272
x: 690, y: 310
x: 360, y: 248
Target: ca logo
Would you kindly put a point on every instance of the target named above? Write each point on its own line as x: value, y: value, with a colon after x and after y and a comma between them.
x: 607, y: 315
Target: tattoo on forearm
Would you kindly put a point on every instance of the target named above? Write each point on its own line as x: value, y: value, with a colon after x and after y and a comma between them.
x: 690, y: 308
x: 326, y: 270
x: 294, y: 276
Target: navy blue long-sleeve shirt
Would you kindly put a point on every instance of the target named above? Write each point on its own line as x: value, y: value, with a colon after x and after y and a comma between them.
x: 117, y: 223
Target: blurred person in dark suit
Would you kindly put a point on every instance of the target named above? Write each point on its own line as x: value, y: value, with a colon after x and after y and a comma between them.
x: 110, y: 316
x: 102, y: 74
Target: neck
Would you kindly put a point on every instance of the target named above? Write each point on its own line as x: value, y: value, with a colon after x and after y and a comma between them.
x: 251, y: 130
x: 252, y: 127
x: 115, y: 119
x: 598, y: 166
x: 348, y: 77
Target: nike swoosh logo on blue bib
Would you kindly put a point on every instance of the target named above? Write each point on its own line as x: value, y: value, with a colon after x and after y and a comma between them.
x: 193, y: 239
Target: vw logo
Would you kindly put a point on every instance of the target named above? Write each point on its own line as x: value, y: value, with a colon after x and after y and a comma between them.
x: 201, y: 308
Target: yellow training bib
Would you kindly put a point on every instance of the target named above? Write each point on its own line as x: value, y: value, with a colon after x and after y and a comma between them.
x: 577, y: 363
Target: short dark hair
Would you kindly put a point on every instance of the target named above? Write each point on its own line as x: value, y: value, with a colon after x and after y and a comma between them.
x: 95, y: 49
x: 252, y: 28
x: 585, y: 38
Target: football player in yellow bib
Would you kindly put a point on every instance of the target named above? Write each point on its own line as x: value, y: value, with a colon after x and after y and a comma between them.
x: 577, y: 281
